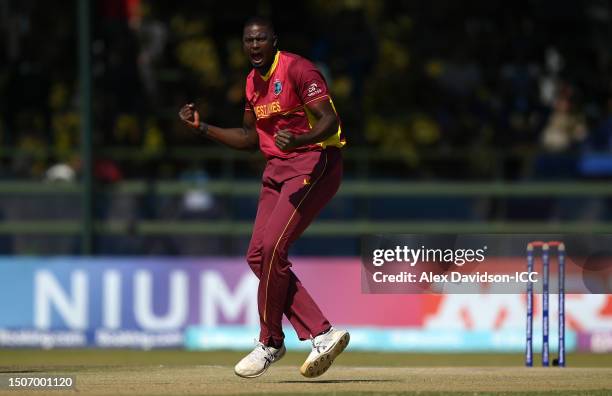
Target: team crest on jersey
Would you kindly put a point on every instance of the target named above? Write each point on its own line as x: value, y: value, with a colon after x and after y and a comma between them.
x: 278, y: 87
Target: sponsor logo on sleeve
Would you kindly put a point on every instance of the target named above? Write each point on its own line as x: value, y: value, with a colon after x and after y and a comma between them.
x: 313, y: 89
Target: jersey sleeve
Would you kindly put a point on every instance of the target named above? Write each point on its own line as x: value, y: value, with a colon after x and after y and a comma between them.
x: 248, y: 93
x: 309, y: 82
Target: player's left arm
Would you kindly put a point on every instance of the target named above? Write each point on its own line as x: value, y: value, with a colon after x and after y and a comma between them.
x: 326, y: 125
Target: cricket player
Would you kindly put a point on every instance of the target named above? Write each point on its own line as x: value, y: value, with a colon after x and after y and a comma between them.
x: 290, y: 116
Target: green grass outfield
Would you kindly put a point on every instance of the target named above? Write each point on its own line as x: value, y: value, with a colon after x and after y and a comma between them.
x: 120, y: 372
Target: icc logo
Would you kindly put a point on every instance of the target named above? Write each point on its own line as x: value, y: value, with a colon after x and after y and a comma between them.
x: 278, y: 87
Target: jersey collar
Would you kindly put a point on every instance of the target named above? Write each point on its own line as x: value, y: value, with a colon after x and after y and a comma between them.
x: 267, y: 76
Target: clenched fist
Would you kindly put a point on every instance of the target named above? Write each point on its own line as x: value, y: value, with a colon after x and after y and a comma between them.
x: 190, y: 115
x: 285, y: 140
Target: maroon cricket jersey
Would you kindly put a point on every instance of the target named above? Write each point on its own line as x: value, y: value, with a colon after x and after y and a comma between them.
x: 279, y: 101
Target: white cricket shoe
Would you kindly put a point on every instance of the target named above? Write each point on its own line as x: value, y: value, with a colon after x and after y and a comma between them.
x: 257, y: 362
x: 325, y: 348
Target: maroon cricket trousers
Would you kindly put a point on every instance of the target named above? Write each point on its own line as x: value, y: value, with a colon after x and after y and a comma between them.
x: 293, y: 192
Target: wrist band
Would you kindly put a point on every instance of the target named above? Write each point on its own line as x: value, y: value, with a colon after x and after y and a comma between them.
x: 203, y: 127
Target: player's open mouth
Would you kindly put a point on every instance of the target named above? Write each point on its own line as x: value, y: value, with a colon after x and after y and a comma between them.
x: 257, y: 59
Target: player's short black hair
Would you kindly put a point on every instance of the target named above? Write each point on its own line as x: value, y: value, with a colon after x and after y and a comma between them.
x: 259, y: 20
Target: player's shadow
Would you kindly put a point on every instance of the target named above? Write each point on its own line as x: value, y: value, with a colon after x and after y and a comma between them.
x: 347, y: 381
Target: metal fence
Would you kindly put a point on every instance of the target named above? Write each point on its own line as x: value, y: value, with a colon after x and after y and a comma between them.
x: 578, y: 196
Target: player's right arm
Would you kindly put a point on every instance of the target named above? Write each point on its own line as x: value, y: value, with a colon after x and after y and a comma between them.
x: 244, y: 138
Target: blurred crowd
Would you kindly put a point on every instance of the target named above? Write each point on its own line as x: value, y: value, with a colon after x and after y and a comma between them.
x: 508, y: 90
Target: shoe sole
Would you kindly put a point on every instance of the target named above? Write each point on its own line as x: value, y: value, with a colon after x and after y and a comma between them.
x: 264, y: 370
x: 323, y: 362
